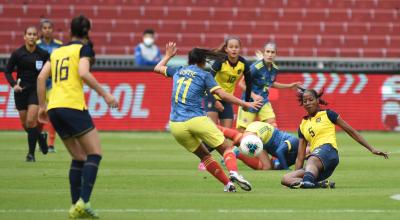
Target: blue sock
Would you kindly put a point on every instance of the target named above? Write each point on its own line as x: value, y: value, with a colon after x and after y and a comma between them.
x: 33, y: 135
x: 89, y: 174
x: 75, y: 179
x: 309, y: 177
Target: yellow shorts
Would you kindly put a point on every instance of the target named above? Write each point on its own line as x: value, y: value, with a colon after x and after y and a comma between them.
x: 192, y: 132
x: 245, y: 118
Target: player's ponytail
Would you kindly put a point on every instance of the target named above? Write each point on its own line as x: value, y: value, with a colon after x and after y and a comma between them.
x: 200, y: 56
x: 315, y: 94
x: 80, y: 27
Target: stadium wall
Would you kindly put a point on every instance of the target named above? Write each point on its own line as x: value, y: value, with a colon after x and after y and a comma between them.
x: 367, y: 101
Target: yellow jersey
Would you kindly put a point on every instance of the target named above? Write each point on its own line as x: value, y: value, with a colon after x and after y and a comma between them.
x: 67, y: 85
x: 262, y: 129
x: 319, y: 129
x: 227, y: 74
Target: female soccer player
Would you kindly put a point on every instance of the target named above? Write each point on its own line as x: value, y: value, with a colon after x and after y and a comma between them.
x: 69, y: 67
x: 318, y: 129
x: 279, y: 144
x: 29, y: 60
x: 263, y: 76
x: 188, y: 121
x: 227, y: 74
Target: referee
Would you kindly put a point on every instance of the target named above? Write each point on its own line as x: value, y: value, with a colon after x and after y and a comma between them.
x: 29, y: 60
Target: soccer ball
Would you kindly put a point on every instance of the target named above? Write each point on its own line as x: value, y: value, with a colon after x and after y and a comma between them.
x: 251, y: 145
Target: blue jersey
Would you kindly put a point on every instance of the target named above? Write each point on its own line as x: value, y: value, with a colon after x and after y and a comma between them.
x: 54, y: 44
x: 262, y: 78
x: 190, y: 86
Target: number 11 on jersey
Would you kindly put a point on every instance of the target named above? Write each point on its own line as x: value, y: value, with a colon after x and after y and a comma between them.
x: 187, y: 83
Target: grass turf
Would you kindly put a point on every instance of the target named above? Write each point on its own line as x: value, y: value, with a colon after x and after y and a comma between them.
x: 149, y: 176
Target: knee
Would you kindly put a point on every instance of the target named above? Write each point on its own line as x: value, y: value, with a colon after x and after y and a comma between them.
x: 30, y: 123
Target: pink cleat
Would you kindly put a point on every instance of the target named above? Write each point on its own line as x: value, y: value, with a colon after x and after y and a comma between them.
x: 201, y: 166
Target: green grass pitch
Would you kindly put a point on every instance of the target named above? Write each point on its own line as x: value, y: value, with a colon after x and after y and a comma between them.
x: 149, y: 176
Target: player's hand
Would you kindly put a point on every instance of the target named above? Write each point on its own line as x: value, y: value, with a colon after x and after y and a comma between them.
x: 259, y: 55
x: 170, y: 49
x: 257, y: 97
x: 296, y: 85
x: 256, y: 105
x: 111, y: 101
x: 380, y: 153
x: 218, y: 105
x: 17, y: 87
x: 42, y: 115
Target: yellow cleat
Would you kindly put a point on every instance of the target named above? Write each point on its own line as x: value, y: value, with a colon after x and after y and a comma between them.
x: 82, y: 210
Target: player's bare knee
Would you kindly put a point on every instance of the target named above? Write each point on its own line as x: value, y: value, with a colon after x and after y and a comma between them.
x: 30, y: 123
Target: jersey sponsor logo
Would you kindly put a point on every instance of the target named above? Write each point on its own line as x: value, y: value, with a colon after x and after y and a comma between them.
x: 39, y: 64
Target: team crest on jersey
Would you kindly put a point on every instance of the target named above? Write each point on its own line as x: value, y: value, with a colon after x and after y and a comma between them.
x: 39, y: 64
x: 318, y: 120
x: 239, y: 72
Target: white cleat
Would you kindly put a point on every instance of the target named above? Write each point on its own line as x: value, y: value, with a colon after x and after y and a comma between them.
x: 240, y: 180
x: 230, y: 187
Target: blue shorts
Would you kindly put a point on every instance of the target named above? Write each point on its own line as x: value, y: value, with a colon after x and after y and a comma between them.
x: 70, y: 122
x: 292, y: 144
x: 210, y: 107
x: 329, y: 158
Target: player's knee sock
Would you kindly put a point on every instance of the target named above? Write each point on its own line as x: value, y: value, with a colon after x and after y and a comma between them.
x: 232, y: 134
x: 52, y: 135
x: 33, y: 135
x: 75, y: 179
x: 89, y: 174
x: 230, y: 160
x: 252, y: 162
x: 309, y: 177
x: 215, y: 169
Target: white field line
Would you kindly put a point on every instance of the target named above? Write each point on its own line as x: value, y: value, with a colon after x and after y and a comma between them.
x: 395, y: 197
x: 250, y: 211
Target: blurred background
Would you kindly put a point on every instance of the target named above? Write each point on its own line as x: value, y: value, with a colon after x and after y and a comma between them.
x: 349, y: 48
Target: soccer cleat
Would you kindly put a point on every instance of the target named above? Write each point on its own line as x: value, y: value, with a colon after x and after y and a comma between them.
x: 42, y: 140
x: 230, y: 187
x: 308, y: 185
x: 52, y: 149
x: 296, y: 185
x: 326, y: 184
x: 240, y: 180
x: 72, y: 213
x: 82, y: 210
x: 30, y: 158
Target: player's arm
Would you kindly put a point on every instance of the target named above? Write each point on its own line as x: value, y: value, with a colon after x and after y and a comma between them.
x: 293, y: 85
x: 41, y: 91
x: 170, y: 51
x: 90, y: 80
x: 8, y: 72
x: 360, y: 139
x: 301, y: 154
x: 232, y: 99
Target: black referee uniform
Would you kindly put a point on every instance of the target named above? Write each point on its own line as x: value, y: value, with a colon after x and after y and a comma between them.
x: 28, y: 68
x: 29, y: 65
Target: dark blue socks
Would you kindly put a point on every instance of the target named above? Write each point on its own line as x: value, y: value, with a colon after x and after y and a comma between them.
x: 75, y: 179
x: 89, y: 174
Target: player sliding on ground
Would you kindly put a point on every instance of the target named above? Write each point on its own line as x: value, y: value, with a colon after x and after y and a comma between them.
x: 188, y: 121
x: 281, y: 145
x: 318, y: 129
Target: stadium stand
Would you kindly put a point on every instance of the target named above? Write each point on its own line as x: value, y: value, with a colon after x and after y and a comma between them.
x: 326, y: 28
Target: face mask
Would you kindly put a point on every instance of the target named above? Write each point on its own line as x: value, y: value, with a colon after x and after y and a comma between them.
x: 148, y: 41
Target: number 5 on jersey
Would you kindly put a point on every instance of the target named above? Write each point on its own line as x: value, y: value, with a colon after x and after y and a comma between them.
x: 62, y: 69
x: 187, y: 83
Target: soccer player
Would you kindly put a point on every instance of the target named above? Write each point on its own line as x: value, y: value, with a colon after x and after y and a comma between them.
x: 49, y: 43
x: 69, y: 67
x: 29, y: 60
x: 318, y: 129
x: 227, y: 74
x: 263, y: 75
x: 188, y: 121
x: 281, y: 145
